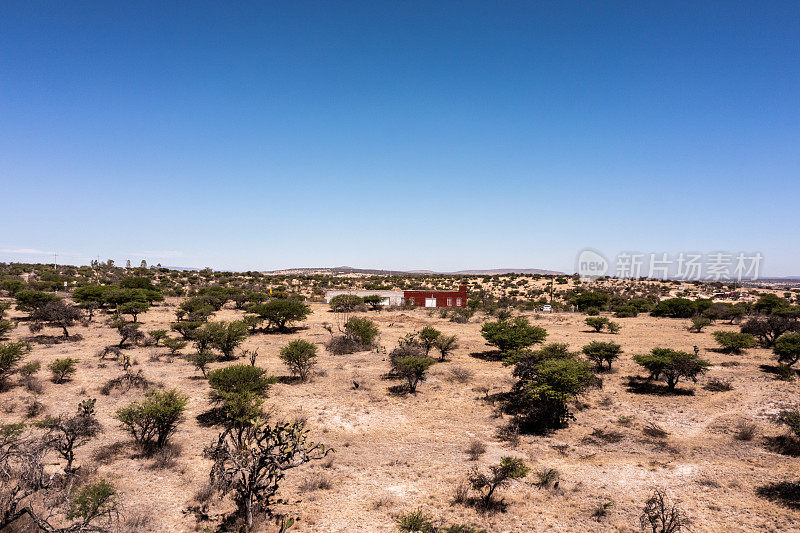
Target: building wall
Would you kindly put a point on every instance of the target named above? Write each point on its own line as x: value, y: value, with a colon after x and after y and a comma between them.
x: 443, y: 298
x: 393, y: 297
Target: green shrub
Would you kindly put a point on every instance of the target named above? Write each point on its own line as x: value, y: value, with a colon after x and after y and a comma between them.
x: 413, y: 368
x: 626, y: 311
x: 29, y: 300
x: 152, y: 421
x: 672, y: 365
x: 93, y: 501
x: 374, y: 301
x: 515, y: 334
x: 226, y: 336
x: 787, y: 348
x: 201, y: 360
x: 11, y: 354
x: 63, y: 369
x: 362, y: 330
x: 428, y: 337
x: 345, y: 303
x: 416, y: 521
x: 602, y: 352
x: 553, y: 383
x: 237, y: 379
x: 134, y: 309
x: 590, y: 300
x: 446, y: 344
x: 157, y: 335
x: 698, y: 323
x: 300, y: 356
x: 509, y: 469
x: 675, y: 308
x: 174, y: 344
x: 281, y: 312
x: 733, y: 342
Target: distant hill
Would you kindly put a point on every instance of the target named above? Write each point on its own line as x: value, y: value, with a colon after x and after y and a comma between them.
x: 495, y: 271
x: 379, y: 272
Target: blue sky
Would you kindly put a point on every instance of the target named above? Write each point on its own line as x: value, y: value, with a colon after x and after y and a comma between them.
x: 442, y: 135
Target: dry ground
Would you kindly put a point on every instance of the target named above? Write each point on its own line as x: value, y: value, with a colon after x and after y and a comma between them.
x: 396, y: 453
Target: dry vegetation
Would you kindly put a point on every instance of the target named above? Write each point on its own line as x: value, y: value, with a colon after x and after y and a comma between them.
x: 714, y: 447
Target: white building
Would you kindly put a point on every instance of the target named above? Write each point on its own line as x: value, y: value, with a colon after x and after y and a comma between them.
x: 392, y: 297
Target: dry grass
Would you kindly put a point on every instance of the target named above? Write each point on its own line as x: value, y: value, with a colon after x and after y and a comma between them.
x: 399, y: 453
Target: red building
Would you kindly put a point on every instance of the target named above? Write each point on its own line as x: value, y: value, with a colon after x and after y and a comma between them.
x: 437, y: 298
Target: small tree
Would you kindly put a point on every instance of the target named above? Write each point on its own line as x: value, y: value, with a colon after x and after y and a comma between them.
x: 157, y: 335
x: 186, y: 329
x: 239, y: 390
x: 11, y: 354
x: 733, y: 342
x: 698, y: 323
x: 202, y: 338
x: 549, y: 386
x: 152, y: 421
x: 66, y: 433
x: 509, y: 469
x: 28, y: 300
x: 251, y: 469
x: 374, y: 301
x: 133, y: 308
x: 201, y: 360
x: 363, y: 330
x: 57, y: 314
x: 174, y: 344
x: 237, y: 379
x: 345, y: 303
x: 281, y: 312
x: 412, y: 368
x: 253, y: 322
x: 128, y: 332
x: 768, y: 329
x: 93, y: 501
x: 787, y: 348
x: 63, y: 369
x: 662, y: 516
x: 446, y: 344
x: 672, y: 365
x: 428, y: 337
x: 300, y: 356
x: 513, y: 334
x: 602, y: 352
x: 600, y: 322
x: 5, y: 325
x: 227, y: 336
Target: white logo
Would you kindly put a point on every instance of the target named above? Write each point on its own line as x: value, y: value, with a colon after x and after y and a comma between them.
x: 591, y: 265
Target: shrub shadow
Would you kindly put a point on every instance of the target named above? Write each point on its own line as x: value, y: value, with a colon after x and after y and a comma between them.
x: 784, y: 445
x: 639, y: 385
x: 489, y: 355
x: 783, y: 493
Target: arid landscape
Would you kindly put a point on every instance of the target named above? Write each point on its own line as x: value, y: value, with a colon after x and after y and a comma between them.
x: 711, y: 446
x: 399, y: 267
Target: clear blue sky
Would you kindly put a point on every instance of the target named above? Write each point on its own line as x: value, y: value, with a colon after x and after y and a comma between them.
x: 441, y: 135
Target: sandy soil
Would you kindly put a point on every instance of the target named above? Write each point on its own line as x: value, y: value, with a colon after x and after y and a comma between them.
x: 396, y: 453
